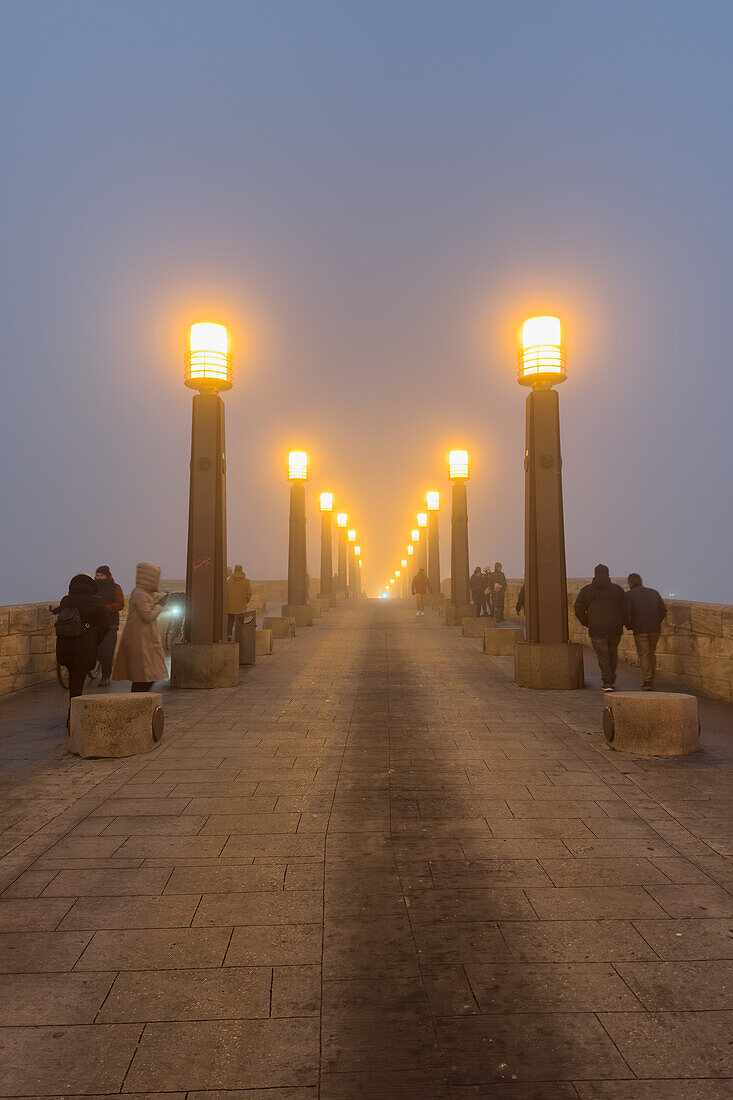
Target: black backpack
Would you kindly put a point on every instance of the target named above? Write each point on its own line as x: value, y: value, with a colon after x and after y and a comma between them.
x: 68, y: 623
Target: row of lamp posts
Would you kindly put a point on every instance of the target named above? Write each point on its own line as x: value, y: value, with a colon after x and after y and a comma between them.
x: 546, y: 659
x: 206, y: 658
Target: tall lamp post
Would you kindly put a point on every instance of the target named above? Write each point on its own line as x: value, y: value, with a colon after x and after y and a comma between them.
x: 357, y: 570
x: 206, y: 659
x: 342, y: 522
x: 297, y: 606
x: 422, y: 550
x: 327, y: 549
x: 406, y: 582
x: 351, y: 537
x: 433, y: 502
x: 547, y: 659
x: 460, y: 599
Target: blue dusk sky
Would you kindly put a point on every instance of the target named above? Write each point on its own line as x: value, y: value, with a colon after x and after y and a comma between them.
x: 372, y: 196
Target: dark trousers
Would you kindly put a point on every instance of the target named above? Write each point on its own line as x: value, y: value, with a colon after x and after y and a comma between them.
x: 482, y: 606
x: 77, y: 679
x: 106, y: 653
x: 231, y: 619
x: 606, y: 647
x: 499, y: 606
x: 141, y: 685
x: 646, y: 647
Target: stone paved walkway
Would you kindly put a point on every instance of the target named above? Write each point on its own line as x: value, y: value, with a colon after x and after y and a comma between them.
x: 375, y: 869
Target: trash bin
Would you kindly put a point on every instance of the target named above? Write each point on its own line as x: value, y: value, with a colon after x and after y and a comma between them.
x: 245, y: 626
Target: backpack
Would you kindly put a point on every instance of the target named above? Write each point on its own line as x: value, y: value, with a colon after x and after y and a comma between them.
x: 68, y: 623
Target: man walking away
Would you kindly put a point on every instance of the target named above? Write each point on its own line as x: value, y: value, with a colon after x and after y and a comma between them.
x: 113, y: 599
x: 644, y: 613
x: 498, y: 592
x: 477, y: 584
x: 81, y: 624
x: 599, y: 606
x: 420, y: 585
x: 239, y: 593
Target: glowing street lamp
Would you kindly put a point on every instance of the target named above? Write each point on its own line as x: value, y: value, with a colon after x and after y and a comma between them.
x: 403, y: 563
x: 432, y: 499
x: 547, y: 659
x: 297, y: 605
x: 342, y: 522
x: 207, y: 369
x: 410, y: 550
x: 326, y: 501
x: 460, y: 598
x: 356, y: 571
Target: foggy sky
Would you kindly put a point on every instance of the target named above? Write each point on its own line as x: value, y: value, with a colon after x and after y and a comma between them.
x: 372, y: 196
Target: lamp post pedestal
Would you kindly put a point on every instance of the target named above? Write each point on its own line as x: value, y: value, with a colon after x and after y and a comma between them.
x: 547, y: 659
x: 326, y: 558
x: 206, y: 658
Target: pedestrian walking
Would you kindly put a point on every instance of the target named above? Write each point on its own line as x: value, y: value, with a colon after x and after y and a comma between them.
x: 477, y: 584
x: 420, y: 587
x: 644, y: 613
x: 81, y: 625
x: 498, y: 592
x: 599, y: 606
x: 239, y: 593
x: 140, y: 656
x: 113, y: 599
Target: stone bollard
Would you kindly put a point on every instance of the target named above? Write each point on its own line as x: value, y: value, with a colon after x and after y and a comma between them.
x: 323, y: 603
x: 549, y: 666
x: 654, y: 723
x: 301, y: 613
x: 207, y: 665
x: 473, y: 627
x: 280, y: 626
x: 499, y: 641
x: 116, y: 725
x: 263, y: 642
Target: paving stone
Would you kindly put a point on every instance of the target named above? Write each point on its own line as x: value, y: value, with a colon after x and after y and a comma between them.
x: 226, y: 993
x: 162, y: 911
x: 296, y: 991
x: 226, y: 1055
x: 574, y: 941
x: 703, y: 901
x: 678, y: 1044
x: 275, y: 945
x: 288, y: 907
x: 32, y: 914
x: 37, y: 952
x: 38, y: 1061
x: 116, y: 883
x: 593, y: 903
x: 33, y: 999
x: 156, y: 949
x: 699, y: 986
x: 543, y: 987
x: 688, y: 939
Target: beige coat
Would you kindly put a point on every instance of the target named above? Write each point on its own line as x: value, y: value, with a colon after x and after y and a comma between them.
x: 239, y: 592
x: 140, y: 654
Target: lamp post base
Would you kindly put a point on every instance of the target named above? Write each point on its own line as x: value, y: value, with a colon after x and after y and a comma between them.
x: 549, y: 665
x: 499, y: 641
x: 455, y: 613
x: 204, y: 664
x: 302, y: 613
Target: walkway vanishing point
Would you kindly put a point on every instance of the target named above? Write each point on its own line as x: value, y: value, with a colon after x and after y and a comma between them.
x: 373, y: 869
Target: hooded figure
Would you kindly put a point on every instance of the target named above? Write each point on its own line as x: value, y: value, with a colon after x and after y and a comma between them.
x: 79, y: 654
x: 599, y: 606
x: 239, y: 593
x: 140, y: 655
x: 113, y: 599
x: 477, y: 584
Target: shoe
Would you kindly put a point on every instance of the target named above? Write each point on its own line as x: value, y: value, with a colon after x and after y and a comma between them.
x: 609, y: 688
x: 647, y: 687
x: 104, y: 683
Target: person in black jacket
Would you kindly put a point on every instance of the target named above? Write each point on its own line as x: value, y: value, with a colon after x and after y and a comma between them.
x: 79, y: 654
x: 477, y: 584
x: 498, y: 592
x: 113, y: 599
x: 599, y: 606
x: 644, y: 613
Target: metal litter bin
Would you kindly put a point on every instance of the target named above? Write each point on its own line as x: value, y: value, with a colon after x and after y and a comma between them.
x: 245, y: 626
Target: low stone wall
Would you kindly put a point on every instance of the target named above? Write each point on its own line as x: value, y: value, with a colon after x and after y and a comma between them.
x: 27, y: 646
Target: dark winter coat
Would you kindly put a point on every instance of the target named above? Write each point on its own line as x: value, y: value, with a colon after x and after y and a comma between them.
x: 478, y: 583
x: 644, y: 610
x: 497, y: 577
x: 600, y: 605
x: 81, y: 653
x: 113, y: 599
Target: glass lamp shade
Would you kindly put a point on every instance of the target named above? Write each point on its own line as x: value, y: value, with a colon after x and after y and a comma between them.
x: 396, y: 572
x: 326, y: 502
x: 542, y: 359
x: 422, y: 519
x: 208, y: 364
x: 357, y: 551
x: 415, y: 534
x: 351, y: 535
x: 342, y: 519
x: 410, y: 551
x: 433, y: 501
x: 297, y: 466
x: 403, y: 563
x: 458, y: 465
